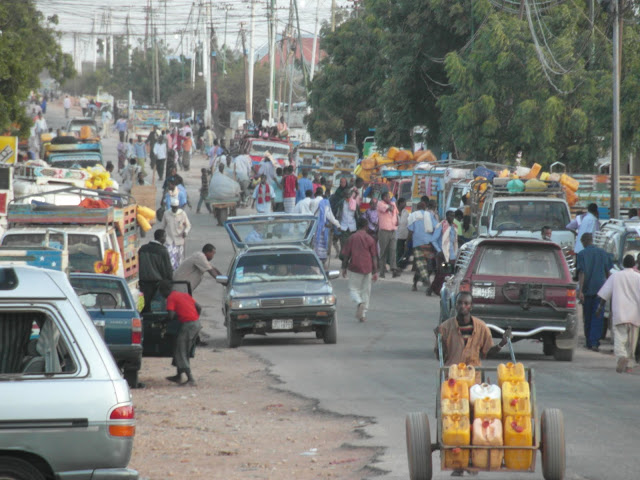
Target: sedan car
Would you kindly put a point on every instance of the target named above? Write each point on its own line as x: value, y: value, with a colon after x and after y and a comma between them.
x: 276, y: 283
x: 520, y: 283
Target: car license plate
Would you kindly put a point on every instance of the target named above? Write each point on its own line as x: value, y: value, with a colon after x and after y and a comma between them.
x: 281, y: 324
x: 484, y: 292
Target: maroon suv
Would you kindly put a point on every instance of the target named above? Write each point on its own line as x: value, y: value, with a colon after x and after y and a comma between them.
x: 520, y: 283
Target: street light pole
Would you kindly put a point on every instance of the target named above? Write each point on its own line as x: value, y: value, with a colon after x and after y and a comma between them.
x: 615, y: 139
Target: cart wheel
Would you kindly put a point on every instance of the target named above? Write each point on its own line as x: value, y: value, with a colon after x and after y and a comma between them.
x: 552, y: 444
x: 419, y: 446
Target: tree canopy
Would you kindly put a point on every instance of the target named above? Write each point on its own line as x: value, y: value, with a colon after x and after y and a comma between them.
x: 28, y: 45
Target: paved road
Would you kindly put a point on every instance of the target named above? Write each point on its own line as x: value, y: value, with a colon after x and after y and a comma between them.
x: 384, y: 368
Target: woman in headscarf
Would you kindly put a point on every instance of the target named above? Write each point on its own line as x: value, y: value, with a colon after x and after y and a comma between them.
x: 325, y: 218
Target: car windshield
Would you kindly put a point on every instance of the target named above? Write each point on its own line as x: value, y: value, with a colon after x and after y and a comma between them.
x: 520, y: 260
x: 260, y: 148
x: 531, y: 215
x: 277, y: 267
x: 103, y: 293
x: 272, y: 231
x: 84, y: 250
x: 631, y: 244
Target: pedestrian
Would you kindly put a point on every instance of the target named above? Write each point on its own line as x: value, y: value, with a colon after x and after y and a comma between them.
x: 154, y: 266
x: 445, y: 241
x: 593, y: 265
x: 173, y: 178
x: 282, y: 128
x: 348, y: 223
x: 186, y: 310
x: 277, y: 191
x: 306, y: 206
x: 122, y: 154
x: 84, y: 103
x: 109, y: 168
x: 289, y: 189
x: 208, y: 138
x: 402, y: 233
x: 360, y: 257
x: 388, y: 224
x: 633, y: 214
x: 193, y: 268
x: 160, y: 152
x: 585, y: 223
x: 421, y: 225
x: 466, y: 231
x: 128, y: 175
x: 175, y: 190
x: 372, y: 218
x: 263, y: 196
x: 151, y: 140
x: 215, y: 152
x: 323, y: 229
x: 43, y: 105
x: 187, y: 147
x: 304, y: 184
x: 267, y: 167
x: 204, y: 190
x: 545, y: 233
x: 106, y: 122
x: 66, y: 103
x: 141, y: 154
x: 121, y: 127
x: 177, y: 224
x: 622, y: 289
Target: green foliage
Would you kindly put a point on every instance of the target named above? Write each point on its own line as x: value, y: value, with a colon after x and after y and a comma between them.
x: 28, y: 45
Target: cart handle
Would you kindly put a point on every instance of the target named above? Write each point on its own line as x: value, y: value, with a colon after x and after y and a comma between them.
x: 440, y: 355
x: 513, y: 355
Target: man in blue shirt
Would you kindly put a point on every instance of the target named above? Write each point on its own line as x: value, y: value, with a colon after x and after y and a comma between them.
x: 586, y: 223
x: 421, y: 225
x: 593, y: 266
x: 304, y: 184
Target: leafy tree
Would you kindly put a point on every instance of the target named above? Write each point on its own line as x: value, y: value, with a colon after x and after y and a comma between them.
x: 28, y: 45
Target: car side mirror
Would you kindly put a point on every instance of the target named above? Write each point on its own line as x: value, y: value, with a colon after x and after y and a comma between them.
x: 222, y: 279
x: 484, y: 221
x: 333, y: 274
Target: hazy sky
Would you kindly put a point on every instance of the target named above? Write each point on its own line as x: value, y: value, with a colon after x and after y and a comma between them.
x: 182, y: 16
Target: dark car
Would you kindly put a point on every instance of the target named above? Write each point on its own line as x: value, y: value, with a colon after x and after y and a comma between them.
x: 276, y: 283
x: 111, y: 306
x: 520, y: 283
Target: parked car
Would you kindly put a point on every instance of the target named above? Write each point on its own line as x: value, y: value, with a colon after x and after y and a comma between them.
x: 276, y: 283
x: 75, y: 125
x: 113, y: 310
x: 66, y: 410
x: 522, y: 283
x: 619, y: 238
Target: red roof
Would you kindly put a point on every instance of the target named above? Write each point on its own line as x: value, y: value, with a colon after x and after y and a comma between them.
x: 307, y: 47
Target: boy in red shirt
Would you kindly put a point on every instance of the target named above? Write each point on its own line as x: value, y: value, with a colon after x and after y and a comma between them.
x: 183, y: 307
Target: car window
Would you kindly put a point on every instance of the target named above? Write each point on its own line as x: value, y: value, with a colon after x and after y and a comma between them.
x: 101, y: 293
x: 31, y: 343
x: 531, y: 215
x: 277, y: 267
x: 269, y: 231
x: 631, y: 245
x: 523, y: 260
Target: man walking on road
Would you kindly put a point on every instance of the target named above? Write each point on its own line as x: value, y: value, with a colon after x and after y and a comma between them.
x: 622, y: 289
x: 177, y: 224
x: 121, y: 127
x: 141, y: 154
x: 586, y: 223
x: 421, y: 226
x: 360, y: 257
x: 193, y: 268
x: 155, y: 265
x: 387, y: 226
x: 66, y: 103
x: 263, y: 196
x: 183, y: 307
x: 593, y: 266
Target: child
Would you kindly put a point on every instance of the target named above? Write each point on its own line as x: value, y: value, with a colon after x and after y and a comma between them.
x: 204, y: 190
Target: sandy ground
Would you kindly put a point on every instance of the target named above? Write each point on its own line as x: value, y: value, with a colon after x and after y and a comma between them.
x: 237, y: 424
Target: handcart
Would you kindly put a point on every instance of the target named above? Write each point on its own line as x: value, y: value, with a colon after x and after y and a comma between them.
x: 548, y: 434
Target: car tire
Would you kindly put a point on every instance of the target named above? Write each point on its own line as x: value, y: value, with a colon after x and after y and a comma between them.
x: 552, y: 444
x: 331, y: 332
x: 12, y: 468
x: 131, y: 376
x: 234, y: 338
x: 563, y: 354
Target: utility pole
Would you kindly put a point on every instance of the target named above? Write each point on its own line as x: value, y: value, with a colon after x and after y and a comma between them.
x: 206, y: 66
x: 94, y: 41
x: 146, y: 28
x: 333, y: 15
x: 303, y: 66
x: 315, y: 42
x: 110, y: 40
x: 247, y: 103
x: 226, y: 7
x: 251, y: 59
x: 272, y: 58
x: 615, y: 139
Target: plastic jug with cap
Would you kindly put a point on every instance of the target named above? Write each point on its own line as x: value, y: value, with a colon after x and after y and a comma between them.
x: 487, y: 408
x: 456, y: 430
x: 517, y: 433
x: 510, y: 372
x: 455, y: 407
x: 516, y: 398
x: 454, y: 390
x: 487, y: 431
x: 483, y: 390
x: 463, y: 372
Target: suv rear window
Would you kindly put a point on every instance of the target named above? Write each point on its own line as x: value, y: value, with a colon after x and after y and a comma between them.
x: 524, y: 260
x: 531, y: 215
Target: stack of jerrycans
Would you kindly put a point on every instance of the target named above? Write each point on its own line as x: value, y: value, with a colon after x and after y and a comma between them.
x: 516, y: 414
x: 487, y: 426
x: 456, y: 427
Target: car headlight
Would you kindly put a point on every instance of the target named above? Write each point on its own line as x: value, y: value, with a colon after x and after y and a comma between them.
x: 244, y: 303
x: 320, y: 300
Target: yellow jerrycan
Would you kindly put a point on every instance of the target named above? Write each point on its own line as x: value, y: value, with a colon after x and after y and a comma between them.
x: 463, y: 373
x: 487, y: 431
x: 516, y: 399
x: 510, y: 372
x: 456, y: 430
x: 517, y: 433
x: 487, y: 408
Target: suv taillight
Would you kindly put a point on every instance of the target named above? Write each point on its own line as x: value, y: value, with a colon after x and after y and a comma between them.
x: 571, y: 298
x: 122, y: 422
x: 136, y: 331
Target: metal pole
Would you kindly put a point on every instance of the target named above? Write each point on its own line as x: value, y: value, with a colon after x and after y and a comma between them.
x: 272, y: 60
x: 333, y: 15
x: 315, y: 43
x: 251, y: 60
x: 615, y: 140
x: 206, y: 69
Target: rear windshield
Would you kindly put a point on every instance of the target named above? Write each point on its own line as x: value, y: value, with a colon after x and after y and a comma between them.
x: 523, y: 260
x: 531, y: 215
x: 101, y: 293
x: 277, y: 267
